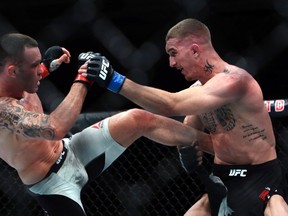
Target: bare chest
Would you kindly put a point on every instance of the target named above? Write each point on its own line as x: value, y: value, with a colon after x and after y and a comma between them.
x: 32, y: 102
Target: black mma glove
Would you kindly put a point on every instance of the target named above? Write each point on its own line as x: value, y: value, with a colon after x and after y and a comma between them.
x: 188, y: 158
x: 214, y: 186
x: 100, y: 70
x: 82, y: 58
x: 50, y: 61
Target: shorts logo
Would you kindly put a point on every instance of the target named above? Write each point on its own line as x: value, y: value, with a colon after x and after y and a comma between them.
x: 97, y: 125
x: 238, y: 172
x: 60, y: 157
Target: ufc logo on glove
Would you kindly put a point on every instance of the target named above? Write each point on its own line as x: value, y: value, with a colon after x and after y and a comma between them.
x: 104, y: 66
x: 87, y: 56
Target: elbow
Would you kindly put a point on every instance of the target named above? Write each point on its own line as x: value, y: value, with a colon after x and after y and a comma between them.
x: 60, y: 133
x: 51, y: 134
x: 55, y: 132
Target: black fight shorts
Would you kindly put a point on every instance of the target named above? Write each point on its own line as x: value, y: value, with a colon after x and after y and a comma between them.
x: 246, y: 185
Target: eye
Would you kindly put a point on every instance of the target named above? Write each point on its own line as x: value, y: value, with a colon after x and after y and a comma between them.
x: 173, y: 54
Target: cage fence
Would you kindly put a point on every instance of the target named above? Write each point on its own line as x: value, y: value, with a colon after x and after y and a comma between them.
x: 146, y: 180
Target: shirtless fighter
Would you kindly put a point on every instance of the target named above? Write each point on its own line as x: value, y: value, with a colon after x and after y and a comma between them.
x: 227, y: 102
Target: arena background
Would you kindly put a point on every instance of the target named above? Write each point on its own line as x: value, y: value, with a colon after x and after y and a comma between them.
x: 147, y: 179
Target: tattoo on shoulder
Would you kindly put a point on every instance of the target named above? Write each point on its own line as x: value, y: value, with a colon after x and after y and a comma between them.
x: 16, y: 118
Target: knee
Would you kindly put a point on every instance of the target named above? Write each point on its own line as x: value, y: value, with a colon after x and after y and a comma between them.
x: 141, y: 119
x: 140, y: 116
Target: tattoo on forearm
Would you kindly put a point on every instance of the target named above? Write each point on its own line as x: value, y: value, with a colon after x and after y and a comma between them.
x: 14, y: 117
x: 253, y: 132
x: 208, y: 67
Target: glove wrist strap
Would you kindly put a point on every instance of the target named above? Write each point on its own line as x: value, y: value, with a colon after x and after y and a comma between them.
x: 116, y: 82
x: 84, y: 80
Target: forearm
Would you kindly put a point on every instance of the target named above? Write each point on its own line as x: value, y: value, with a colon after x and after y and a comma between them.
x: 152, y: 99
x: 66, y: 113
x: 205, y: 144
x: 99, y: 70
x: 204, y: 139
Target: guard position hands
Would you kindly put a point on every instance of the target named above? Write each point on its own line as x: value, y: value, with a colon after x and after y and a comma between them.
x: 83, y: 60
x: 100, y: 70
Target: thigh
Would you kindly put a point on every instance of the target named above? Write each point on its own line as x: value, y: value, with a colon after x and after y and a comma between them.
x: 64, y: 186
x: 276, y: 206
x: 95, y: 145
x: 200, y: 208
x: 58, y: 205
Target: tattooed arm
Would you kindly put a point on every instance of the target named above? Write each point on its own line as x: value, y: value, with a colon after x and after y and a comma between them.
x: 15, y: 117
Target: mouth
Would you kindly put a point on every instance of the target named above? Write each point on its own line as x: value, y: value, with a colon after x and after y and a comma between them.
x: 179, y: 68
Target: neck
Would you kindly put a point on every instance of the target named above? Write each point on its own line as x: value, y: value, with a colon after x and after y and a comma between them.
x: 10, y: 93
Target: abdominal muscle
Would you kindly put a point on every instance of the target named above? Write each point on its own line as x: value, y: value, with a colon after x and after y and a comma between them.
x: 31, y: 158
x: 244, y: 154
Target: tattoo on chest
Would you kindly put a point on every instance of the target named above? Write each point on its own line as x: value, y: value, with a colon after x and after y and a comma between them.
x: 209, y: 122
x: 223, y: 116
x: 252, y: 132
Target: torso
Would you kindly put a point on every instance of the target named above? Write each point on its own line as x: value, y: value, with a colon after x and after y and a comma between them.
x: 31, y: 157
x: 241, y: 131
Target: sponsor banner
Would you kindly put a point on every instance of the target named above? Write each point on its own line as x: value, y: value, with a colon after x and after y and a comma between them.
x: 277, y: 107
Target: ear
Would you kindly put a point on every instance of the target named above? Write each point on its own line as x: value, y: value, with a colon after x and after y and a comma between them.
x: 11, y: 70
x: 195, y: 50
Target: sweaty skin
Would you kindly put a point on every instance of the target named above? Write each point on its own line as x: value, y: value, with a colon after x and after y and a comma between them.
x: 22, y: 153
x: 241, y: 133
x: 31, y: 140
x: 227, y: 102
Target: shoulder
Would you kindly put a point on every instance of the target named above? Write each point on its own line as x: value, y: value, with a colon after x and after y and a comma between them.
x: 231, y: 85
x: 234, y: 76
x: 8, y: 100
x: 5, y: 101
x: 8, y: 105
